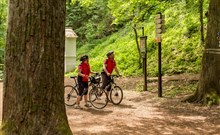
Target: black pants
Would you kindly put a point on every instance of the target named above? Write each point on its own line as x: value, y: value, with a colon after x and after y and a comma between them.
x: 105, y: 81
x: 83, y: 88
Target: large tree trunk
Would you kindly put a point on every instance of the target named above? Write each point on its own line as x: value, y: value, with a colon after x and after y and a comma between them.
x: 209, y: 82
x: 33, y: 101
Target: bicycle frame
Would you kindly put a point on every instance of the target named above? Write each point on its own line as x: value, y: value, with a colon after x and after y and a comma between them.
x: 73, y: 89
x: 76, y: 86
x: 90, y: 84
x: 111, y: 82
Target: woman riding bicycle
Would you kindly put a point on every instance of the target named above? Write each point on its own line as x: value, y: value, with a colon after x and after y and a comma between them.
x: 108, y: 66
x: 83, y: 77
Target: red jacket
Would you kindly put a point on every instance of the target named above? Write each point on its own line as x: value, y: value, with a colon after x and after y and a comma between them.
x: 110, y: 65
x: 85, y: 69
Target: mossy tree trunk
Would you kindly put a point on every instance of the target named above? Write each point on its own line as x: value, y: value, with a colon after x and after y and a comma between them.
x: 33, y: 101
x: 209, y: 82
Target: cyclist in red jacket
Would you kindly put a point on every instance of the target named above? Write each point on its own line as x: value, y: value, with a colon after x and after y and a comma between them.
x: 83, y: 77
x: 108, y: 66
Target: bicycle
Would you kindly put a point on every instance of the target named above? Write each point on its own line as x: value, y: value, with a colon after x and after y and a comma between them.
x: 97, y: 100
x: 71, y: 92
x: 97, y: 97
x: 116, y: 92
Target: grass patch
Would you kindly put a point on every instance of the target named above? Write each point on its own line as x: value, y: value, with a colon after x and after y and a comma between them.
x: 175, y: 88
x: 179, y: 88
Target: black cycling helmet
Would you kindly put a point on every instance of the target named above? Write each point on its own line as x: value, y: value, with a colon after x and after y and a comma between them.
x: 84, y: 57
x: 109, y: 53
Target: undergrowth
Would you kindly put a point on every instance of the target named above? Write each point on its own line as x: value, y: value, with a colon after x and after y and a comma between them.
x: 181, y: 47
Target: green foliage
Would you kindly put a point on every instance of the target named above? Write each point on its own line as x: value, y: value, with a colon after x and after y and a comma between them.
x: 134, y: 10
x: 123, y: 55
x: 181, y: 48
x: 3, y: 14
x: 90, y: 19
x: 2, y: 55
x: 178, y: 88
x: 212, y: 98
x: 107, y: 25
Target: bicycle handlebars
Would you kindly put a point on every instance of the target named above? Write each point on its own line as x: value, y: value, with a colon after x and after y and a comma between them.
x: 73, y: 77
x: 116, y: 76
x: 97, y: 74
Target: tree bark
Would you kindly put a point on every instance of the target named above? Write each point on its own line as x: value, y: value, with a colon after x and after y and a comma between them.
x: 209, y: 82
x: 138, y: 48
x: 33, y: 102
x: 201, y: 22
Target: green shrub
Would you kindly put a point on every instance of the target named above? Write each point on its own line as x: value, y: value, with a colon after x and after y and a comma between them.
x: 181, y: 47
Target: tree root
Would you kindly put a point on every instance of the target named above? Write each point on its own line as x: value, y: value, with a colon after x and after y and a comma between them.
x: 194, y: 99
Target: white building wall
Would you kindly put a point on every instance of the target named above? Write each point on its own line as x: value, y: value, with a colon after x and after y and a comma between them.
x: 70, y: 50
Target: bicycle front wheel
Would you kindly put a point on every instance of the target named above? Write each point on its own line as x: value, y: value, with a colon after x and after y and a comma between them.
x: 98, y: 98
x: 70, y: 95
x: 116, y: 95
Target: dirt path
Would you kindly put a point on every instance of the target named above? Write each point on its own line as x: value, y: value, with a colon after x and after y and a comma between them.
x: 131, y: 117
x: 143, y: 113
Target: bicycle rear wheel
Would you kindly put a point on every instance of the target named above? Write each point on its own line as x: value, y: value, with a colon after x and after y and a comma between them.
x: 70, y: 95
x: 116, y: 95
x: 98, y: 98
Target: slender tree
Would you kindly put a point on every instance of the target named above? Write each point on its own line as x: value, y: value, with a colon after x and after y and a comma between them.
x: 201, y: 21
x: 209, y: 82
x: 138, y: 48
x: 33, y: 101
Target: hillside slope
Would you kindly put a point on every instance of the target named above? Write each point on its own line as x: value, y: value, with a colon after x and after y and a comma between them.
x: 181, y: 47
